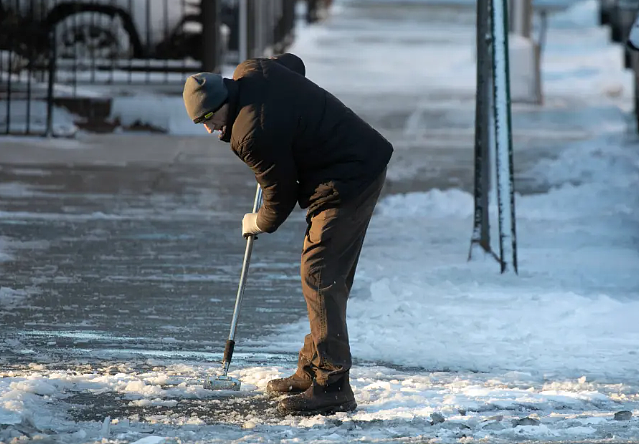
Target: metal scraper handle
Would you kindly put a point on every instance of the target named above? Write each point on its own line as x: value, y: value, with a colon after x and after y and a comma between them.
x: 230, y: 343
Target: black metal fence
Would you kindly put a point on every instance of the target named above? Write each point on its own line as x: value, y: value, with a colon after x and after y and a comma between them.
x: 52, y: 48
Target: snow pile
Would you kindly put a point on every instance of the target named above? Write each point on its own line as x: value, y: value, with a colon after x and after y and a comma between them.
x: 33, y: 116
x: 434, y: 204
x: 591, y: 181
x: 602, y: 161
x: 495, y: 329
x: 163, y: 112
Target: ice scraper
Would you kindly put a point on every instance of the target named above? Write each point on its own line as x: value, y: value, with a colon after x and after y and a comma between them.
x: 223, y: 381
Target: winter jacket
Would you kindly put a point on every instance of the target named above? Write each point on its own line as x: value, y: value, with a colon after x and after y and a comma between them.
x: 302, y: 143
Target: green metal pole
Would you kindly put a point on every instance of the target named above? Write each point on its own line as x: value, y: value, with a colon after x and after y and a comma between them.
x: 503, y: 137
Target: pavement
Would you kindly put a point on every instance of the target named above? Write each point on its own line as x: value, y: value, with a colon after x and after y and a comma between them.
x: 130, y: 253
x: 124, y: 245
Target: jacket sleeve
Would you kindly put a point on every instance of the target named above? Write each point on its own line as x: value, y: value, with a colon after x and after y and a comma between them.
x: 276, y: 173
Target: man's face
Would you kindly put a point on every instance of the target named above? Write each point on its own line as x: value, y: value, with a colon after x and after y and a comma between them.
x: 217, y: 121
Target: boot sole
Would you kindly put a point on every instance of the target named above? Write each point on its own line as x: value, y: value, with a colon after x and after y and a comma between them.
x: 328, y: 410
x: 275, y: 393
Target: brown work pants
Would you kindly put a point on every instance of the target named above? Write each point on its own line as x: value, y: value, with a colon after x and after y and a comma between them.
x: 331, y: 251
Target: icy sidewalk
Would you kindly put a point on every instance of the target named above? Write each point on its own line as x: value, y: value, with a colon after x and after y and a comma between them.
x: 550, y: 354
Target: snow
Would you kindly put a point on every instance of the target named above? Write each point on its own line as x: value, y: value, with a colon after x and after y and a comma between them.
x: 550, y: 354
x: 477, y: 405
x: 164, y: 112
x: 31, y: 116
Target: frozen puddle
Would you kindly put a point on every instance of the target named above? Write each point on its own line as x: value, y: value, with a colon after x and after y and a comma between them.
x: 126, y: 403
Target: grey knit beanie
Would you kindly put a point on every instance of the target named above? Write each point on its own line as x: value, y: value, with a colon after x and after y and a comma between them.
x: 203, y: 93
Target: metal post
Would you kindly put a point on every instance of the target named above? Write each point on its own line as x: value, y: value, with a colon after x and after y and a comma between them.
x: 114, y: 48
x: 243, y: 30
x: 130, y: 8
x: 9, y: 86
x: 51, y: 83
x: 27, y: 129
x: 251, y: 28
x: 166, y: 34
x: 503, y: 137
x: 92, y: 50
x: 149, y: 45
x: 481, y: 224
x: 211, y: 36
x: 257, y: 28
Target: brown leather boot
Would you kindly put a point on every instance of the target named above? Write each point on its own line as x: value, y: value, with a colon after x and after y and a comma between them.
x: 295, y: 383
x: 321, y: 399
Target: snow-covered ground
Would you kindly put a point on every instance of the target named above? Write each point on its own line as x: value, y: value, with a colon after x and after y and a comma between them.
x: 446, y: 350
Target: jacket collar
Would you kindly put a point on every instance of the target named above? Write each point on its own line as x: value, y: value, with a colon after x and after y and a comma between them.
x: 234, y: 98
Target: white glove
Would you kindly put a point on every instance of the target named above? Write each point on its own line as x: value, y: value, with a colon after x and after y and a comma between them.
x: 249, y: 225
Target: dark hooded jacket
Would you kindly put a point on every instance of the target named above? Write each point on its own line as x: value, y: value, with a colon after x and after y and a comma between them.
x: 302, y: 143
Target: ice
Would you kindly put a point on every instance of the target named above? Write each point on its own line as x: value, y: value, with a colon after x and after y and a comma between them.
x: 150, y: 440
x: 4, y: 255
x: 154, y: 402
x: 36, y: 386
x: 8, y: 417
x: 10, y: 297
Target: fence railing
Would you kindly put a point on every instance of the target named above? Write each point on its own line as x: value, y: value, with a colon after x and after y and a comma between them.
x: 50, y: 48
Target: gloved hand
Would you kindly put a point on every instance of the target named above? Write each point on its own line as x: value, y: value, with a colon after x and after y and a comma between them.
x: 249, y: 225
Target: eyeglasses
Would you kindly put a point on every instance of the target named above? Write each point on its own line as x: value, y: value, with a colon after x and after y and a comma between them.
x: 210, y: 114
x: 206, y: 116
